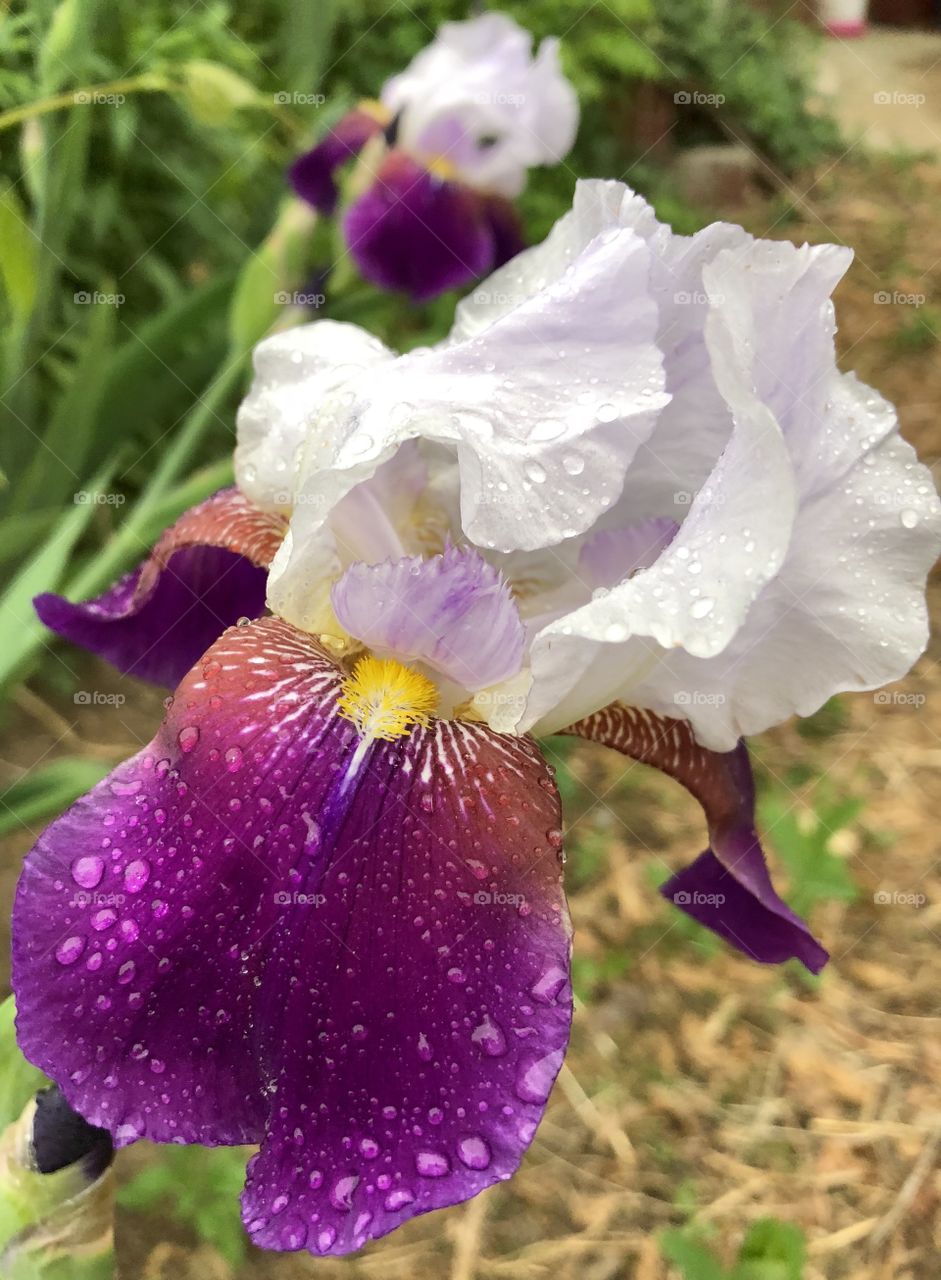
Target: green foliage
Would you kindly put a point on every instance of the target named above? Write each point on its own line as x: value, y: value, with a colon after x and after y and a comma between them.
x: 199, y: 1187
x: 48, y: 790
x: 921, y: 331
x: 801, y: 839
x: 771, y: 1250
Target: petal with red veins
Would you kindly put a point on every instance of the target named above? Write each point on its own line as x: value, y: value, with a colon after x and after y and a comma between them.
x: 358, y: 957
x: 728, y: 888
x: 208, y: 570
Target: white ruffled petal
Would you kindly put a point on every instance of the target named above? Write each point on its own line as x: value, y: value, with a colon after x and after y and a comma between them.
x: 294, y: 372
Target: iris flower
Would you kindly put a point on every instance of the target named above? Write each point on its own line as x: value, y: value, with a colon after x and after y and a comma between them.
x: 450, y: 143
x: 630, y: 498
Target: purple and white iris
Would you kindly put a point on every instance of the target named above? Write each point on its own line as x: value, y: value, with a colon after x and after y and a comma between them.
x: 450, y: 144
x: 630, y: 498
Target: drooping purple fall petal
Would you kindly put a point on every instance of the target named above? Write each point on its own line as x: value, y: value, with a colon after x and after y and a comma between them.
x: 312, y: 175
x: 454, y: 611
x: 253, y: 931
x: 208, y: 570
x: 415, y: 232
x: 728, y: 888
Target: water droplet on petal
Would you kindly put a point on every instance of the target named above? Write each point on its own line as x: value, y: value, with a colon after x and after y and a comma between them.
x: 489, y: 1037
x: 87, y: 871
x: 136, y: 875
x: 188, y: 737
x: 68, y: 952
x: 399, y: 1198
x: 474, y: 1152
x: 341, y: 1197
x: 908, y: 518
x: 536, y: 1077
x: 432, y: 1164
x: 702, y: 608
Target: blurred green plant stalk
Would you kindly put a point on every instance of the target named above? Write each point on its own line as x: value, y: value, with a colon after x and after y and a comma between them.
x: 53, y: 1226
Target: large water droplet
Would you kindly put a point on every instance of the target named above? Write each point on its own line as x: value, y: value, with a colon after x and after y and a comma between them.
x: 474, y: 1152
x: 341, y: 1196
x: 87, y: 871
x: 399, y: 1198
x: 702, y: 608
x: 489, y: 1037
x: 68, y: 951
x: 188, y: 737
x: 136, y: 875
x: 432, y: 1164
x: 534, y: 1082
x: 908, y: 518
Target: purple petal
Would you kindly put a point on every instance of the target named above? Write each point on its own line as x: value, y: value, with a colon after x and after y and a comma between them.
x: 207, y: 571
x: 506, y: 227
x: 611, y: 556
x: 312, y: 174
x: 362, y: 954
x: 453, y: 611
x: 413, y: 232
x: 728, y: 887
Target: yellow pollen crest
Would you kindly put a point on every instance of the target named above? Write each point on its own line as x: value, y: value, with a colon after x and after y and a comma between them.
x: 385, y: 699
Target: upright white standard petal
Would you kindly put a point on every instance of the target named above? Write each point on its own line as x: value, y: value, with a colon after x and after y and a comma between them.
x: 648, y: 436
x: 294, y: 372
x: 477, y: 99
x: 543, y: 411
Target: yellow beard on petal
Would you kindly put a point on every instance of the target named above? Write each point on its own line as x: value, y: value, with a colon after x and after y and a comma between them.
x: 385, y: 699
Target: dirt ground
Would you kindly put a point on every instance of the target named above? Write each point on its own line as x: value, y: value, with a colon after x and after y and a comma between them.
x: 700, y: 1087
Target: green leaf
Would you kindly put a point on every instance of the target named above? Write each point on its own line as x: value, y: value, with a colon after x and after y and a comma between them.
x: 772, y: 1250
x: 213, y: 93
x: 693, y: 1259
x: 271, y: 275
x: 47, y: 790
x: 18, y: 255
x: 815, y: 873
x: 19, y: 1079
x: 21, y: 629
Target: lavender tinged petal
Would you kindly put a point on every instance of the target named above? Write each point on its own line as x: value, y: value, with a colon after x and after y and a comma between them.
x: 453, y: 611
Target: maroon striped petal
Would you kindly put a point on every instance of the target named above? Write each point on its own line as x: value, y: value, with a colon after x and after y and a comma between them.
x: 414, y: 232
x: 255, y: 931
x: 208, y: 570
x: 728, y: 888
